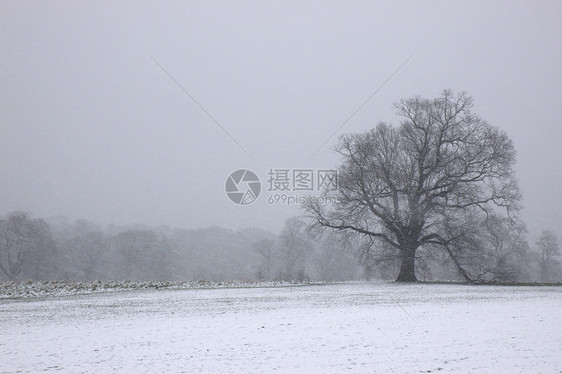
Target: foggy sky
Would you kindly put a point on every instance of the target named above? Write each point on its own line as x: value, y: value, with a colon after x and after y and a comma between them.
x: 92, y: 127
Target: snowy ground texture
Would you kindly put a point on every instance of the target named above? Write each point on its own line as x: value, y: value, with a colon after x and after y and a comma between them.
x: 342, y: 328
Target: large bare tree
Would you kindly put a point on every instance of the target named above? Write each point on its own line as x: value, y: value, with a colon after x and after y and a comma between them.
x: 423, y: 182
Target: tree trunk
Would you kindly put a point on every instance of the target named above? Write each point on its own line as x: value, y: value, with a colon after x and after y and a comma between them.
x: 407, y: 269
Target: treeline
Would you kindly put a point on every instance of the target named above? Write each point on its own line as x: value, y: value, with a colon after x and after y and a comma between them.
x: 57, y: 248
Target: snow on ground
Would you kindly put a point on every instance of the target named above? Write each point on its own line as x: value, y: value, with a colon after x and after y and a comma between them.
x: 343, y: 328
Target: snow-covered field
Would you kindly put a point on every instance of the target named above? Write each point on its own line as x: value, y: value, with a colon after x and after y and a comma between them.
x: 342, y: 328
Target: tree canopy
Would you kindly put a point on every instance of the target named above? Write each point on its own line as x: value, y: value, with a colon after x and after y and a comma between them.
x: 424, y: 182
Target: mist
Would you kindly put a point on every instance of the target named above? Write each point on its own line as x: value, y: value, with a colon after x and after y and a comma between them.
x: 121, y: 112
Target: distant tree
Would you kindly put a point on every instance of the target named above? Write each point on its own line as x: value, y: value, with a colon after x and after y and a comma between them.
x: 88, y: 252
x: 144, y: 255
x: 26, y: 247
x: 418, y: 184
x: 332, y: 262
x: 266, y: 249
x: 328, y: 256
x: 548, y: 248
x: 365, y: 252
x: 294, y: 245
x: 62, y: 228
x: 218, y: 254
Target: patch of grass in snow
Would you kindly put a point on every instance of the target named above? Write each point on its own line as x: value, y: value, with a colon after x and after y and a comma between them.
x: 31, y: 289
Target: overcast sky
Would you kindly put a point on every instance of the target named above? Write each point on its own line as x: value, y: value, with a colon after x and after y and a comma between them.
x: 93, y: 127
